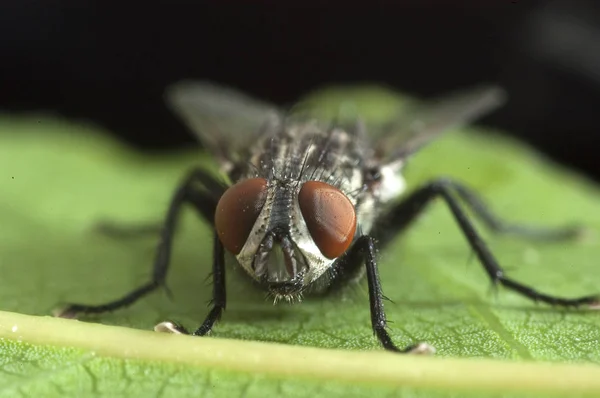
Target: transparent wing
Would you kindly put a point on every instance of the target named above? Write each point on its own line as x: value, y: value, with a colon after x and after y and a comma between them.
x: 226, y: 121
x: 420, y: 123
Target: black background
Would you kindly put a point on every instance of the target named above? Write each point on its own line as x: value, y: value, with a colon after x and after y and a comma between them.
x: 109, y: 62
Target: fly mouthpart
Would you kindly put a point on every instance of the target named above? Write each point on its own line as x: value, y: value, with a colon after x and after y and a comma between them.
x: 278, y: 262
x: 290, y: 291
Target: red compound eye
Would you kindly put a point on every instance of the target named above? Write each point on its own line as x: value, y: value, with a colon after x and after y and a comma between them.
x: 238, y: 210
x: 329, y: 216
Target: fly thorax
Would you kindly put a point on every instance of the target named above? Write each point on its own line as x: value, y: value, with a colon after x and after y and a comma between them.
x: 391, y: 183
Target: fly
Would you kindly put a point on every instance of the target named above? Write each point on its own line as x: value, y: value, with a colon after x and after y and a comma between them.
x: 310, y: 201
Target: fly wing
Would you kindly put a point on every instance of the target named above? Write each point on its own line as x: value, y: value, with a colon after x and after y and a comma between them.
x: 226, y: 121
x: 418, y: 124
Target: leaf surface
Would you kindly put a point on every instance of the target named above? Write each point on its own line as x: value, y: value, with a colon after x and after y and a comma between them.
x: 57, y: 180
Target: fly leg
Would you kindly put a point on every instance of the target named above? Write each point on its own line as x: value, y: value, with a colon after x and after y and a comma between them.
x: 364, y: 251
x: 204, y: 201
x: 472, y: 199
x: 414, y: 204
x: 389, y: 228
x: 218, y: 301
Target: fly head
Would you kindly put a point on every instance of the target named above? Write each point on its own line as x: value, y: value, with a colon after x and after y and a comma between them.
x: 286, y: 234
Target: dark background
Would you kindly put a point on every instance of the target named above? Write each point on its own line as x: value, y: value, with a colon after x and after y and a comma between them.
x: 109, y: 62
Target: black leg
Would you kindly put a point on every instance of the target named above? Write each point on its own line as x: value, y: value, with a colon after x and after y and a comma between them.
x: 389, y: 228
x: 188, y: 192
x: 413, y: 205
x: 219, y: 299
x: 472, y: 199
x: 218, y: 302
x: 364, y: 248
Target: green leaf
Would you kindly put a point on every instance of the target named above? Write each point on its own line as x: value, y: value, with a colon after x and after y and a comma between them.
x: 58, y: 180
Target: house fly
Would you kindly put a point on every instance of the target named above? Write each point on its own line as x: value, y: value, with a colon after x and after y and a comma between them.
x: 310, y: 200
